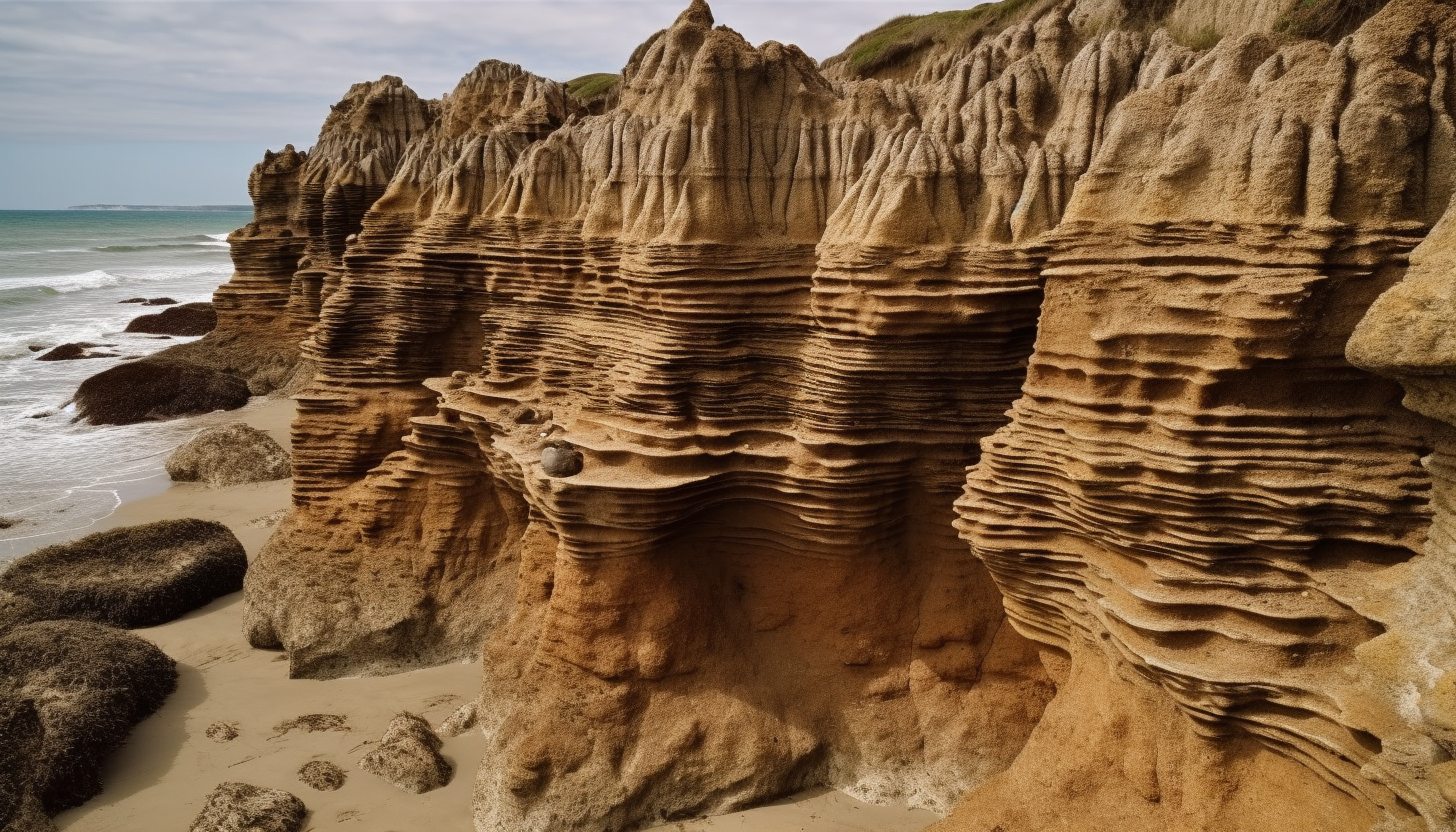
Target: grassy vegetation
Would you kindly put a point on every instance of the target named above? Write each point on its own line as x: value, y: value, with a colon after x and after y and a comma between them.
x: 906, y: 34
x: 590, y: 86
x: 1326, y: 20
x: 1199, y: 41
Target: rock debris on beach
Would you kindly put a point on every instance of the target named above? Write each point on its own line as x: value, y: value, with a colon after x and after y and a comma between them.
x: 312, y: 723
x: 322, y: 775
x: 242, y: 807
x: 408, y: 755
x: 231, y: 454
x: 463, y: 719
x: 222, y: 732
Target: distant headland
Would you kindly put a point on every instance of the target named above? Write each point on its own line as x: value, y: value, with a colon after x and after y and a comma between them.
x: 160, y: 208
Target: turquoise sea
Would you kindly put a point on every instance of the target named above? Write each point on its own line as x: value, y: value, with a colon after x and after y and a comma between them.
x: 62, y: 277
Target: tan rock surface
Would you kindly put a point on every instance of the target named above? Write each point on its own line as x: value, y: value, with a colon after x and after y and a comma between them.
x: 1106, y: 257
x: 408, y: 756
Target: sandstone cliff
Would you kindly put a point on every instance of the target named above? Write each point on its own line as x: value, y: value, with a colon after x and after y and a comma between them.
x: 767, y: 425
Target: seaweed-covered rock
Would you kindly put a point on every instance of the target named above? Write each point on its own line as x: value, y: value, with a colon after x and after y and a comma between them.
x: 136, y: 576
x: 322, y: 775
x: 312, y: 723
x: 20, y: 741
x: 16, y: 610
x: 241, y: 807
x: 408, y: 756
x: 187, y: 319
x: 89, y: 685
x: 154, y: 388
x: 73, y: 351
x: 230, y: 455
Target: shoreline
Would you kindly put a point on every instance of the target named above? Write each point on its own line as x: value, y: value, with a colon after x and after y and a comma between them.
x: 161, y: 776
x: 274, y: 416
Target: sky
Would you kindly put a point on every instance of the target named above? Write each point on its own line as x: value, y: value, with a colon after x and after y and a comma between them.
x: 168, y: 103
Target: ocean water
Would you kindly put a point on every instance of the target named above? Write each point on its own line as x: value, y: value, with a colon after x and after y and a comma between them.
x: 62, y: 275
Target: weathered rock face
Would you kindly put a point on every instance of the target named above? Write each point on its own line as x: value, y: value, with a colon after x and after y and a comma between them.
x: 1194, y: 481
x: 307, y: 207
x: 1405, y: 674
x: 669, y: 411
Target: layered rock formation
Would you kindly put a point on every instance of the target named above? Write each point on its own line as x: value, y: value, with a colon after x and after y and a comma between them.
x: 307, y: 209
x: 666, y: 404
x: 1196, y: 494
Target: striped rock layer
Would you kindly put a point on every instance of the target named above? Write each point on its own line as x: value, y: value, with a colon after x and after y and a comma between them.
x: 978, y: 432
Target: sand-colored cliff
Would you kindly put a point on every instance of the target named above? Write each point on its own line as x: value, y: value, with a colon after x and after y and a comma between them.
x: 1003, y: 366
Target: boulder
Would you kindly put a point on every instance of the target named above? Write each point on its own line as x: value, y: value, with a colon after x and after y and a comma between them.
x: 158, y: 302
x: 560, y: 459
x: 154, y: 388
x: 466, y: 716
x: 79, y: 349
x: 137, y: 576
x: 88, y: 685
x: 187, y: 319
x: 408, y: 755
x: 241, y: 807
x: 230, y: 454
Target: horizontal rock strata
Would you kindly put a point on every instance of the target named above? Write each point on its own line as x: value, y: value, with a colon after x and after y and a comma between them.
x: 666, y: 403
x: 1194, y: 480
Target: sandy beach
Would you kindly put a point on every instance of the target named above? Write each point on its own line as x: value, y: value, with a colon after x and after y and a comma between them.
x: 159, y: 779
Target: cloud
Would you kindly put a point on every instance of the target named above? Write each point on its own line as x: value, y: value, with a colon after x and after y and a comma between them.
x: 266, y: 72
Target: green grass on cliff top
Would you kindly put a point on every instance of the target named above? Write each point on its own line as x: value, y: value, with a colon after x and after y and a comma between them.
x: 898, y: 38
x: 1327, y: 20
x: 590, y: 86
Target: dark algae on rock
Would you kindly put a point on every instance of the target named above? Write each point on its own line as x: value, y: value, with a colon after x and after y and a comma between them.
x: 243, y: 807
x: 157, y: 388
x: 187, y: 319
x: 136, y: 576
x: 230, y: 454
x: 87, y: 685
